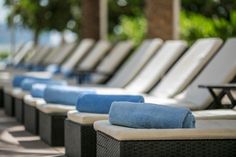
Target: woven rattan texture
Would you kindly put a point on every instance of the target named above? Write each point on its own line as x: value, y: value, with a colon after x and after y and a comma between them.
x: 19, y: 110
x: 51, y: 128
x: 80, y: 140
x: 9, y: 104
x: 31, y: 121
x: 110, y: 147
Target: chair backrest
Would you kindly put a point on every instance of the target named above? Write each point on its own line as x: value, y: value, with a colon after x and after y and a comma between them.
x: 94, y: 56
x: 221, y: 69
x: 84, y: 46
x: 54, y: 52
x: 187, y: 67
x: 158, y: 66
x: 22, y: 53
x: 64, y: 53
x: 112, y: 60
x: 135, y: 63
x: 32, y: 55
x: 41, y: 55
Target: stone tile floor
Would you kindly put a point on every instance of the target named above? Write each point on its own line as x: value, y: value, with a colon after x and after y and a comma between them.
x: 16, y: 142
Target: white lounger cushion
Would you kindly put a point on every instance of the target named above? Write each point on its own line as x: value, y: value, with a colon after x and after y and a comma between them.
x: 80, y: 51
x: 29, y: 100
x: 112, y: 60
x: 94, y: 56
x: 66, y: 50
x: 206, y: 129
x: 19, y: 93
x: 216, y: 72
x: 54, y: 108
x: 135, y: 63
x: 85, y: 118
x: 187, y: 67
x: 216, y: 114
x: 158, y: 65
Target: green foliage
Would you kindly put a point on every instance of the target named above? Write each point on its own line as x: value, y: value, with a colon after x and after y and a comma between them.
x: 4, y: 55
x: 194, y: 26
x: 133, y: 28
x: 45, y: 15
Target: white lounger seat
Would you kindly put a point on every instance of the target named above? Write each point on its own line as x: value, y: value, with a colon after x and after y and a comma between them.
x: 85, y: 118
x: 205, y: 129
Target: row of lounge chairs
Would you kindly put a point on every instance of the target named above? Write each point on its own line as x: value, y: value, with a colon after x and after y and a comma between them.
x: 170, y: 75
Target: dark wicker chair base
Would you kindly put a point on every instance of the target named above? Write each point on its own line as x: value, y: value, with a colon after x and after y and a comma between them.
x: 51, y: 128
x: 80, y: 140
x: 9, y: 105
x: 19, y: 110
x: 31, y: 121
x: 1, y: 98
x: 110, y: 147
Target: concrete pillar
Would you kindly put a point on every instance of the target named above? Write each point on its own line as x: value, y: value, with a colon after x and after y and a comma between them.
x: 163, y: 18
x: 94, y: 19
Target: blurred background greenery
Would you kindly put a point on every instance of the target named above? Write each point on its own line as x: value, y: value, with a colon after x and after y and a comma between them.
x: 208, y: 18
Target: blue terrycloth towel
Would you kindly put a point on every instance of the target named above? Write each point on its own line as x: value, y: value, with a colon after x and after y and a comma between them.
x: 27, y: 84
x: 141, y: 115
x: 95, y: 103
x: 37, y: 90
x: 66, y: 95
x: 16, y: 82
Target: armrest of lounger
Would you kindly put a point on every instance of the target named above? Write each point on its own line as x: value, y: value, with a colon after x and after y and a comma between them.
x: 226, y: 90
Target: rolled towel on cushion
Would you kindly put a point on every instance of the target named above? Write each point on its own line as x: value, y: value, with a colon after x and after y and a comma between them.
x: 142, y: 115
x: 66, y: 95
x: 95, y: 103
x: 37, y: 90
x: 17, y: 80
x: 29, y: 82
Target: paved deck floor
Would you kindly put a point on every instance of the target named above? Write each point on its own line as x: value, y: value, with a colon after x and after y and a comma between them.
x: 16, y: 142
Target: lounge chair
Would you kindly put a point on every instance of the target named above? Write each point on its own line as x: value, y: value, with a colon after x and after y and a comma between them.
x: 209, y: 138
x: 183, y: 71
x: 94, y: 57
x: 85, y: 45
x: 107, y: 67
x: 216, y: 72
x: 51, y: 111
x: 76, y: 119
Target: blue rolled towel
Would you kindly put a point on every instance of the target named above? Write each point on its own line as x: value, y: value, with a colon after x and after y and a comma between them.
x: 16, y: 82
x: 27, y: 84
x: 66, y: 95
x: 37, y: 90
x: 141, y: 115
x: 95, y: 103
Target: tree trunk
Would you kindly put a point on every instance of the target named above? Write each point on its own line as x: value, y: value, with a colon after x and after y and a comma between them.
x: 36, y: 37
x: 93, y: 24
x: 163, y: 18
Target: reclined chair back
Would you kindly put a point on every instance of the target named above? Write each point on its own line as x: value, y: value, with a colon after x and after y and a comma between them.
x: 158, y: 66
x: 54, y: 52
x: 187, y: 67
x: 22, y: 53
x: 66, y: 51
x: 221, y: 69
x: 111, y: 61
x: 80, y: 51
x: 94, y: 56
x: 135, y: 63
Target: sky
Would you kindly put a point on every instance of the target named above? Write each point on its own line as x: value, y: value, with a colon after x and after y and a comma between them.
x: 52, y: 38
x: 3, y: 12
